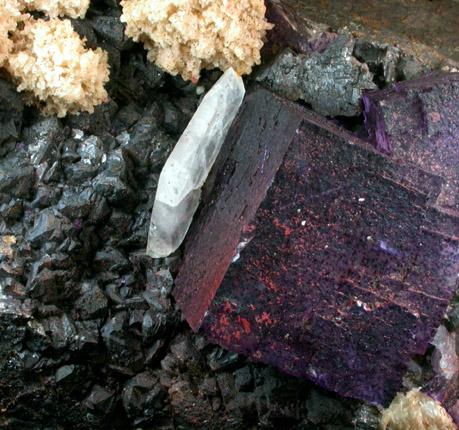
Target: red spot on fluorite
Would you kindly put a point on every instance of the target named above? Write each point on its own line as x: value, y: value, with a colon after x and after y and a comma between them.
x: 263, y: 319
x: 244, y: 323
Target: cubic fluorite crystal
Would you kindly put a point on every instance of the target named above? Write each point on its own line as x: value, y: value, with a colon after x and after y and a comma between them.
x: 417, y: 121
x: 187, y: 167
x: 317, y: 254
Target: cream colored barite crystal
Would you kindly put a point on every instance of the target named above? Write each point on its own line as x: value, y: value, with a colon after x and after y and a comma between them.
x: 54, y: 8
x: 416, y: 411
x: 49, y: 62
x: 185, y: 36
x: 9, y: 17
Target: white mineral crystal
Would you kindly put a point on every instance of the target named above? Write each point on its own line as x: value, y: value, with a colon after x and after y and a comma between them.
x: 445, y: 361
x: 416, y: 411
x: 187, y: 167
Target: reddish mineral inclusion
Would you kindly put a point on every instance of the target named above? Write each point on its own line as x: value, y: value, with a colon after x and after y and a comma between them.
x: 316, y: 254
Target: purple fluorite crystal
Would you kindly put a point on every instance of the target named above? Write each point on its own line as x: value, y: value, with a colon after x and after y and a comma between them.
x: 417, y: 121
x: 316, y: 254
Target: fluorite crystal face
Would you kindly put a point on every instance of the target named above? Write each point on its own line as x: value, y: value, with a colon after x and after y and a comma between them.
x: 318, y: 255
x: 417, y: 121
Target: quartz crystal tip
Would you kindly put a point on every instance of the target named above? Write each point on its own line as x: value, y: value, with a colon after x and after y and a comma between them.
x: 187, y: 167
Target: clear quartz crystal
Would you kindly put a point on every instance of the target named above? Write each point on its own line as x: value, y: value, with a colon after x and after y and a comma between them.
x: 187, y: 167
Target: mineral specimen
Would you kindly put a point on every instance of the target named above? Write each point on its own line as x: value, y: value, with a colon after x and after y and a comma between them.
x: 49, y: 62
x: 317, y: 254
x: 417, y: 122
x: 187, y: 35
x: 9, y: 17
x: 332, y: 82
x: 294, y: 33
x: 186, y: 169
x: 381, y: 58
x: 444, y: 360
x: 416, y: 411
x: 54, y: 8
x: 444, y: 386
x: 6, y: 243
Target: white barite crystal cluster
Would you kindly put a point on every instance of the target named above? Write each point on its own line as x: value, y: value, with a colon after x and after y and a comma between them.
x: 54, y: 8
x: 48, y: 61
x: 187, y: 167
x: 9, y: 17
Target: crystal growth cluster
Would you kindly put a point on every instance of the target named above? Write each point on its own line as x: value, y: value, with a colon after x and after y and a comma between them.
x: 331, y: 81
